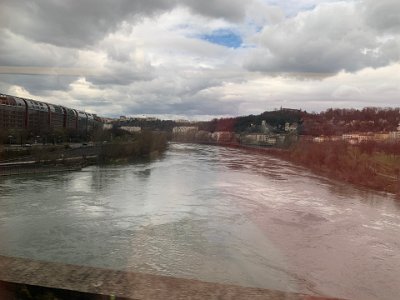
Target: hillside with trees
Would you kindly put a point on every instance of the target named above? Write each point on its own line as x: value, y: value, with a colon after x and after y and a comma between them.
x: 276, y: 119
x: 340, y: 121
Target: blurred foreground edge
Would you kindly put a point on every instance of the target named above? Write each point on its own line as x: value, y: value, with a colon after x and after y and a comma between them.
x: 27, y: 279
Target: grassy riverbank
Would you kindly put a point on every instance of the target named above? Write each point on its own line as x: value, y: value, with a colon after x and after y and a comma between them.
x: 372, y: 165
x: 145, y: 144
x: 122, y: 148
x: 36, y: 152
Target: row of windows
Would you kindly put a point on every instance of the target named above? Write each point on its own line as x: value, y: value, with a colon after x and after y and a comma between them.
x: 14, y: 117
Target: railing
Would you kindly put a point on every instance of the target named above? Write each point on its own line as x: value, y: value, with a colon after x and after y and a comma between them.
x: 112, y: 284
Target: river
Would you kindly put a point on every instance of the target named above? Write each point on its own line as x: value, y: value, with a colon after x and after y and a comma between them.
x: 210, y: 213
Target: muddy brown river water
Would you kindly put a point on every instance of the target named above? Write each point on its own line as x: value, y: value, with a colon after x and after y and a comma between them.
x: 214, y: 214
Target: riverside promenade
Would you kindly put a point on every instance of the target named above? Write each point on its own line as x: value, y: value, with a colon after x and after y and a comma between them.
x: 60, y: 161
x: 80, y: 282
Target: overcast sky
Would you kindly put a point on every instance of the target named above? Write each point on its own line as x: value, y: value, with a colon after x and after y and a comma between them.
x: 201, y: 59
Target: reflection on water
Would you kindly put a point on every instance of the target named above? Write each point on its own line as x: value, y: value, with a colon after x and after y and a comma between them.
x: 214, y: 214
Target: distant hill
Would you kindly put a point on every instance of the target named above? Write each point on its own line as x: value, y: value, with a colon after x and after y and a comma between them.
x: 340, y: 121
x: 276, y: 119
x: 329, y: 122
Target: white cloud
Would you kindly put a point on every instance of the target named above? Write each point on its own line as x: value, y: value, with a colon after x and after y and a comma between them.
x: 330, y: 38
x: 346, y: 91
x: 82, y: 23
x: 147, y: 57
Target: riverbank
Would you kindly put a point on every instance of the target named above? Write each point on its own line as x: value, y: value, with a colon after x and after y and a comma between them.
x: 371, y: 165
x: 144, y: 145
x: 38, y: 169
x: 48, y: 159
x: 374, y: 165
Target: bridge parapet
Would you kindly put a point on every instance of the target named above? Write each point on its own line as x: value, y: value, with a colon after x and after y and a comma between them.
x: 126, y: 285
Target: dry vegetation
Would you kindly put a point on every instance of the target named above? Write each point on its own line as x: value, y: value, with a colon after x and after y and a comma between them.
x: 122, y: 147
x: 373, y: 165
x: 143, y: 144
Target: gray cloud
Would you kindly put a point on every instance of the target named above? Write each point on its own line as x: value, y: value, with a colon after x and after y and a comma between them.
x: 328, y: 39
x: 16, y: 50
x: 34, y: 66
x: 180, y: 93
x: 147, y: 57
x: 118, y: 73
x: 233, y: 10
x: 205, y: 106
x: 39, y: 85
x: 382, y: 15
x: 82, y: 23
x: 190, y: 106
x: 72, y: 23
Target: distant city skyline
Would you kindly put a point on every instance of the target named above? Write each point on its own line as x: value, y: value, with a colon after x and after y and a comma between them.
x: 194, y: 60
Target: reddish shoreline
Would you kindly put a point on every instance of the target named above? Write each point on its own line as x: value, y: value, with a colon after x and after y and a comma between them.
x: 332, y: 161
